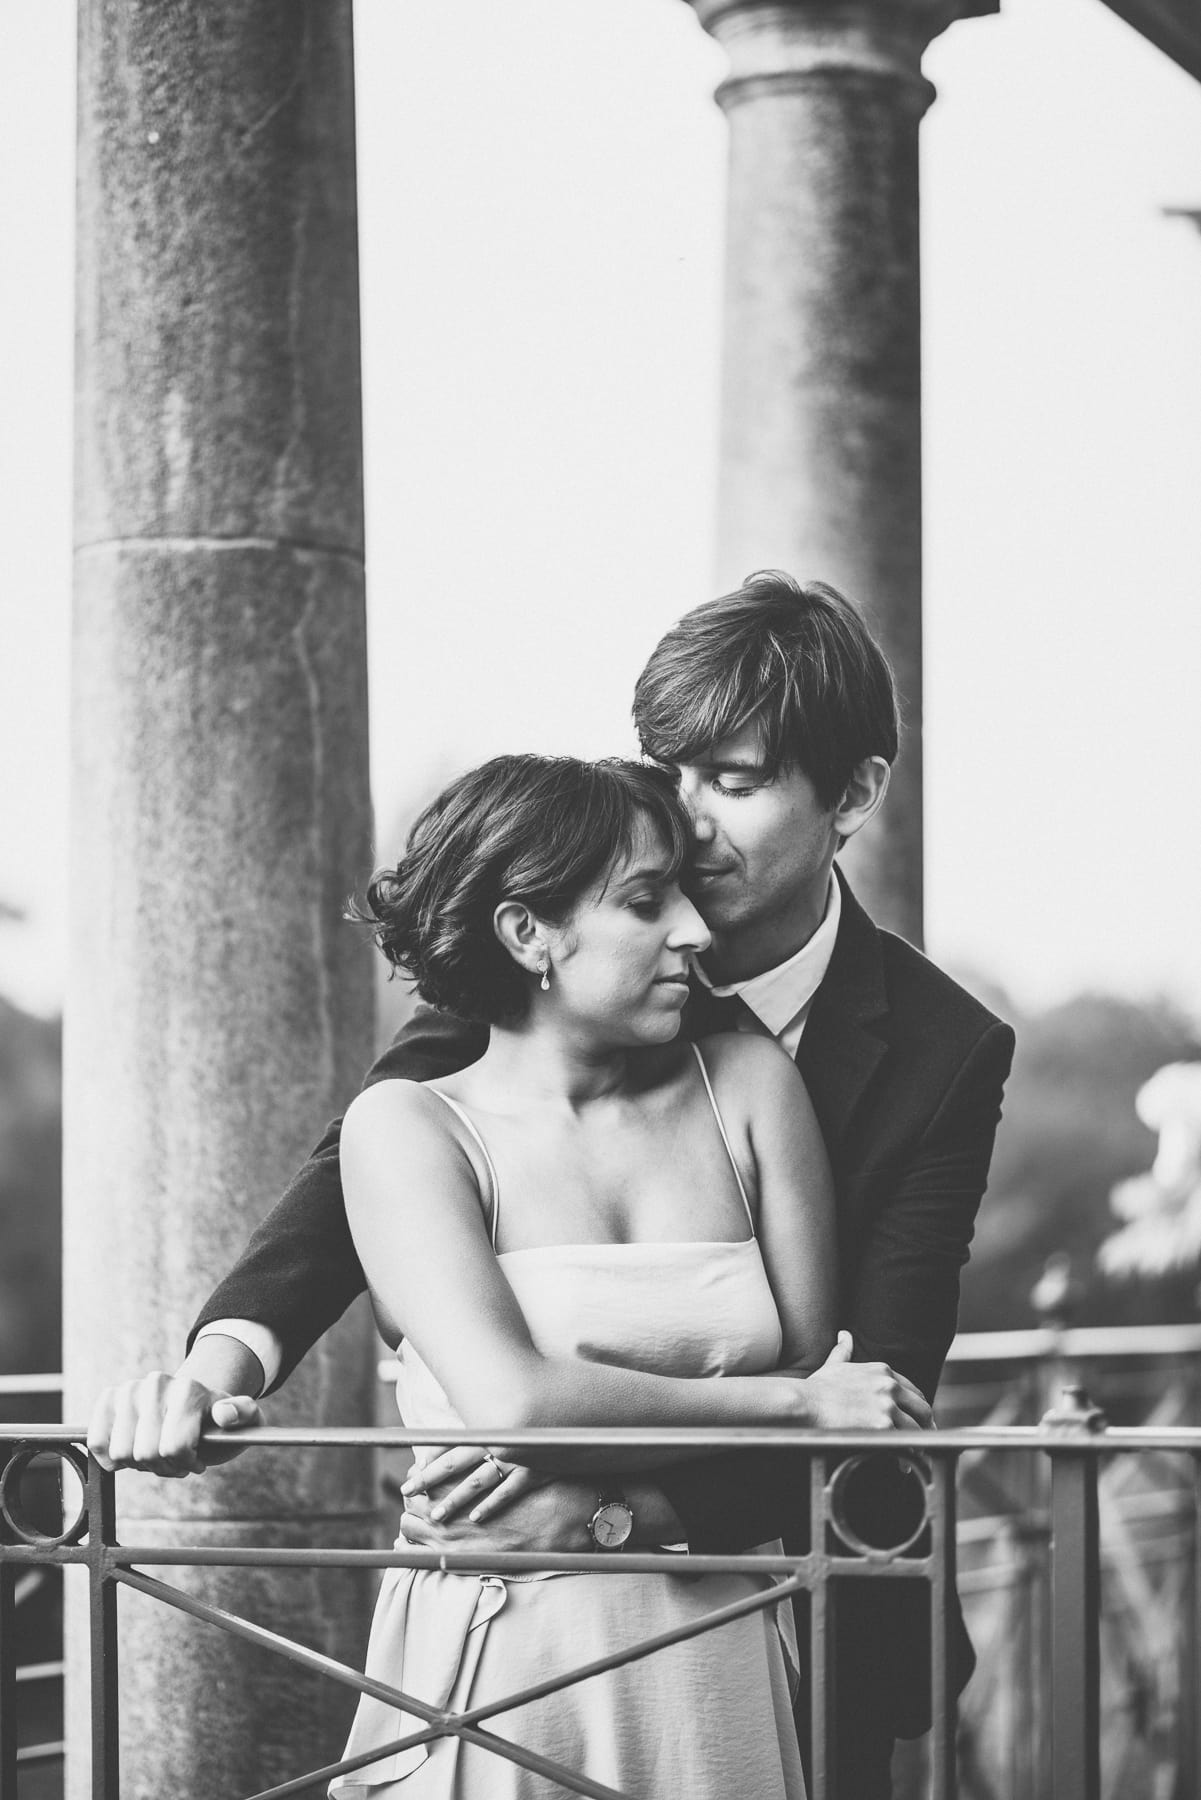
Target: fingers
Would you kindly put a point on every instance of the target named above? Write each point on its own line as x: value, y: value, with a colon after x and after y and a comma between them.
x: 234, y: 1412
x: 126, y: 1428
x: 488, y: 1474
x: 446, y: 1466
x: 869, y: 1397
x: 914, y: 1406
x: 417, y: 1531
x: 906, y: 1400
x: 154, y: 1424
x: 517, y: 1482
x: 153, y: 1407
x: 843, y: 1351
x: 100, y: 1429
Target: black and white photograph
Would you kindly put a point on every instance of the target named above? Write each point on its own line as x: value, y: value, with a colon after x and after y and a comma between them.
x: 600, y: 856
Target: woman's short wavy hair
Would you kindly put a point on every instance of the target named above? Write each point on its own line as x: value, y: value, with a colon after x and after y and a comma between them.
x: 539, y: 829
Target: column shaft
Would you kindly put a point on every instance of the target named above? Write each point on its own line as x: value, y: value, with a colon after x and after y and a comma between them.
x: 821, y: 427
x: 219, y: 1011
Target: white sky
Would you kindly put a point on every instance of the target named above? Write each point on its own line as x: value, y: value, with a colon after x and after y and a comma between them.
x: 541, y: 219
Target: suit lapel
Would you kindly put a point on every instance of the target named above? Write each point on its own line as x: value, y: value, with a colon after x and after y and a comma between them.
x: 842, y: 1044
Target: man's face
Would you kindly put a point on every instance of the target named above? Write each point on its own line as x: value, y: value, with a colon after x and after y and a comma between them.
x: 763, y: 848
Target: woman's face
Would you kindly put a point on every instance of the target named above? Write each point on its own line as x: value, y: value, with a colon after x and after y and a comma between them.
x: 620, y: 961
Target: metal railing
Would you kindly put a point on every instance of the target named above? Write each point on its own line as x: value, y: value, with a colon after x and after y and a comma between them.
x: 1071, y: 1445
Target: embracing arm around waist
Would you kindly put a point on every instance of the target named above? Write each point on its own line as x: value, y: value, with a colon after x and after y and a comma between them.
x: 433, y: 1274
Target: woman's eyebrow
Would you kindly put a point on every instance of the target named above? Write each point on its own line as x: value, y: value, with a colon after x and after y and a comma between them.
x: 653, y: 872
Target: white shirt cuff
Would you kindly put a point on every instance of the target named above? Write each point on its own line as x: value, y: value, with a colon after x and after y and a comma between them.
x: 260, y: 1340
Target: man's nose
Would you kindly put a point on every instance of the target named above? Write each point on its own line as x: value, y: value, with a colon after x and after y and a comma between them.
x: 693, y: 800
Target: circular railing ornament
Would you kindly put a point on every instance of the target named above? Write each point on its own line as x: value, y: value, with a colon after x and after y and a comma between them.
x: 916, y: 1468
x: 12, y: 1507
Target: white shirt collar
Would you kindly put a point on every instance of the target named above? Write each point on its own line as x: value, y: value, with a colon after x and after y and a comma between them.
x: 780, y: 998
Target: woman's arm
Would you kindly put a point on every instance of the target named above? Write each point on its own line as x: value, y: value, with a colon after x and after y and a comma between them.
x: 432, y: 1271
x: 761, y: 1093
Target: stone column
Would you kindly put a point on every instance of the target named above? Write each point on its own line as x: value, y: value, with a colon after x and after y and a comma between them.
x: 219, y: 1011
x: 820, y: 468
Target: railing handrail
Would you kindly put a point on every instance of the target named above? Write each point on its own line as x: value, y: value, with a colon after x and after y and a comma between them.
x: 1076, y: 1342
x: 31, y: 1384
x: 1186, y: 1438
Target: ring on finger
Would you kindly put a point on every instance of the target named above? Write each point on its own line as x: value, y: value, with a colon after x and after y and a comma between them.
x: 501, y: 1471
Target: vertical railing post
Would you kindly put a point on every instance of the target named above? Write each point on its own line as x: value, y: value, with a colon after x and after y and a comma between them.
x: 8, y: 1680
x: 1191, y: 1708
x: 822, y: 1601
x: 944, y: 1687
x: 1075, y: 1602
x: 106, y: 1724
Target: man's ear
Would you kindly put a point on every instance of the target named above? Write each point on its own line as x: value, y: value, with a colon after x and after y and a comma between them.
x: 521, y: 934
x: 863, y: 796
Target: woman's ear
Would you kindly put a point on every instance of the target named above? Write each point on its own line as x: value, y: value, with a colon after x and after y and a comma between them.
x: 520, y: 932
x: 863, y: 797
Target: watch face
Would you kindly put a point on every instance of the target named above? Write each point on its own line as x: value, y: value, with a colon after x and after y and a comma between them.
x: 612, y: 1524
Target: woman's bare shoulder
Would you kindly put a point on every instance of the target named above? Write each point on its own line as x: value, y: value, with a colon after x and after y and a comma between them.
x: 396, y: 1105
x: 744, y: 1056
x: 753, y: 1078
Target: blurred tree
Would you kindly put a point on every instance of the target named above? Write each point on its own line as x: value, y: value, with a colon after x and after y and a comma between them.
x: 1161, y: 1210
x: 1069, y: 1134
x: 30, y: 1191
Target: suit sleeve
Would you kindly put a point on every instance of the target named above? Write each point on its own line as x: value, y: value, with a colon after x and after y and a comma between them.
x: 903, y: 1305
x: 905, y: 1301
x: 299, y: 1271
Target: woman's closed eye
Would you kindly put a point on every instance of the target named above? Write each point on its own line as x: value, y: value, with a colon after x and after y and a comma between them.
x: 647, y: 906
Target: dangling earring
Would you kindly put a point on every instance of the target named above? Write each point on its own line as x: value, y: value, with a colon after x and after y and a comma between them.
x: 544, y: 971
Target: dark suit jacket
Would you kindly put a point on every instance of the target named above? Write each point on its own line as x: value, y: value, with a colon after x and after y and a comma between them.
x: 905, y: 1070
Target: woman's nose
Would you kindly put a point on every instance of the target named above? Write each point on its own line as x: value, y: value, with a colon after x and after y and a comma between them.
x: 688, y: 930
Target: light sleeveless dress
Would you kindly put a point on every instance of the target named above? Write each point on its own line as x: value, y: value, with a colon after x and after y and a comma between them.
x: 704, y: 1719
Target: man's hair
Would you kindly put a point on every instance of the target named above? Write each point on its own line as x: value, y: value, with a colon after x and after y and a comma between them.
x: 795, y: 659
x: 539, y: 829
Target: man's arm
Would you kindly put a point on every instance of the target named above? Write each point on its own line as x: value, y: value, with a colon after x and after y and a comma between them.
x: 296, y: 1276
x: 903, y: 1306
x: 905, y: 1300
x: 299, y: 1272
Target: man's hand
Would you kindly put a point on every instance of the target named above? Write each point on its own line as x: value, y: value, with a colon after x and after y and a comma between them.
x: 551, y: 1516
x: 850, y: 1396
x: 154, y: 1424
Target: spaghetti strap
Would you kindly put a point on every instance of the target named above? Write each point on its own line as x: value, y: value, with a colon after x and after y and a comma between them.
x: 462, y: 1114
x: 721, y: 1126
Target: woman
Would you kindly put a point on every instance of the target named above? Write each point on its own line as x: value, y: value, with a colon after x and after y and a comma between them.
x: 594, y: 1225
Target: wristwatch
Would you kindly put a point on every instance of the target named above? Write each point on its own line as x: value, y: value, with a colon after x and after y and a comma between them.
x: 612, y: 1522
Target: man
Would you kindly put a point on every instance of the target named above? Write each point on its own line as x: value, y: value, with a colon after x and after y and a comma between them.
x: 776, y: 709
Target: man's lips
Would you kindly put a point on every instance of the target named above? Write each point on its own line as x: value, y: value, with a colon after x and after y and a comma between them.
x: 709, y: 871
